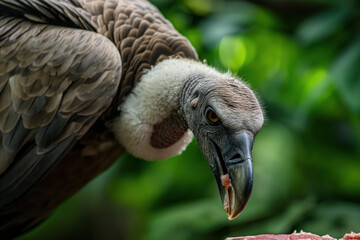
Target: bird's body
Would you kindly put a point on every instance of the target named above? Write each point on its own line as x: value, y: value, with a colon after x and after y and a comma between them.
x: 71, y: 73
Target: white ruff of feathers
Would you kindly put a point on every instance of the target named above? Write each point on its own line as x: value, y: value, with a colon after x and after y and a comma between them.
x: 153, y: 99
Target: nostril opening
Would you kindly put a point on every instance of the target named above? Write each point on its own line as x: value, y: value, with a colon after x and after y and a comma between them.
x: 236, y: 156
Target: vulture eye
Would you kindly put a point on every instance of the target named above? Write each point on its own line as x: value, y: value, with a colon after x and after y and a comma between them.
x: 212, y: 117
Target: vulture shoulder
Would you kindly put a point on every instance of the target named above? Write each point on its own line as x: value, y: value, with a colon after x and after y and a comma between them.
x: 54, y: 84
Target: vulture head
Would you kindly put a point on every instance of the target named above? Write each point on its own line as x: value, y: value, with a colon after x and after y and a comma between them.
x: 179, y: 98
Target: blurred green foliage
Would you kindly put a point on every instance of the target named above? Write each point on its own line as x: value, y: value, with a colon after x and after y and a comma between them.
x: 303, y: 60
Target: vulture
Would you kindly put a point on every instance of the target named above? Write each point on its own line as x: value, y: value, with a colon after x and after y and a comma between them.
x: 82, y: 81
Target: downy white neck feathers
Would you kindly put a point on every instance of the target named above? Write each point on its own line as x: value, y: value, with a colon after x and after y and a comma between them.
x: 153, y: 102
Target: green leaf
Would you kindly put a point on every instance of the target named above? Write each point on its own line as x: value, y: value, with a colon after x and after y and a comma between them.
x: 322, y: 25
x: 346, y: 75
x: 334, y: 218
x: 232, y: 53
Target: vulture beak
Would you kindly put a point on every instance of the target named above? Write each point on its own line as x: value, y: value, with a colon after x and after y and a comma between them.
x: 232, y: 167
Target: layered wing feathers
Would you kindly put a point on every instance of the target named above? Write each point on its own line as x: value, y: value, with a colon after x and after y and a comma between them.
x: 54, y: 83
x: 65, y: 12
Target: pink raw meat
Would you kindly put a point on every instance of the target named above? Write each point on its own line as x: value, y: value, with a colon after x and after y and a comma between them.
x: 351, y: 236
x: 293, y: 236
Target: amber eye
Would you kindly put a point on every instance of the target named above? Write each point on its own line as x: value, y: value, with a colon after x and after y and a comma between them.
x: 212, y: 117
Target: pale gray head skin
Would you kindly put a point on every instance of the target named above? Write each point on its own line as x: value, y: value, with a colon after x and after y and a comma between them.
x: 226, y: 143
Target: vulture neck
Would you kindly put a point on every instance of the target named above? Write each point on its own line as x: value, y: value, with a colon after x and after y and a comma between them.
x: 151, y: 124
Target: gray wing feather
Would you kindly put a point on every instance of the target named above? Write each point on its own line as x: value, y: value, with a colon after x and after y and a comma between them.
x: 30, y: 169
x: 54, y: 83
x: 65, y: 13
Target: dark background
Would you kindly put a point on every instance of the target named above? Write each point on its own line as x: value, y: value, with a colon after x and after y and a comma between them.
x: 303, y: 60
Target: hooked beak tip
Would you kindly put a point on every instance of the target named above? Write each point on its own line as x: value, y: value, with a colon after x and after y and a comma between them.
x: 236, y: 174
x: 236, y: 189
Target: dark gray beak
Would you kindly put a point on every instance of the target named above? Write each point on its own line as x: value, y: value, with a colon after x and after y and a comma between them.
x: 233, y: 171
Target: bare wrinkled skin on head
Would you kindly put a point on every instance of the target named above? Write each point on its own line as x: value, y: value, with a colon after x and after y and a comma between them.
x: 232, y: 101
x: 236, y: 105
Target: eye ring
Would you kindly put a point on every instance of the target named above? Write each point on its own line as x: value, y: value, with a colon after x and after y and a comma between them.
x: 212, y: 117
